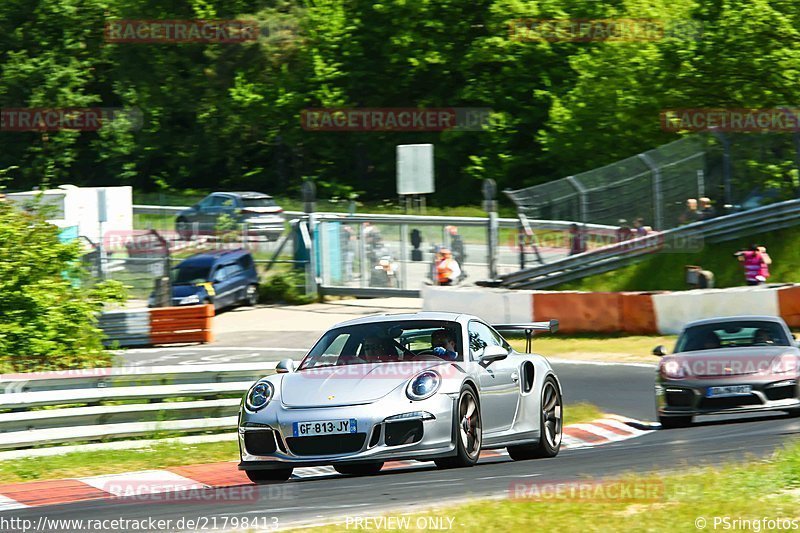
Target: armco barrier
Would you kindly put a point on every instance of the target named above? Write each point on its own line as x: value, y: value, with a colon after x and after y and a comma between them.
x: 165, y: 325
x: 613, y: 312
x: 79, y: 400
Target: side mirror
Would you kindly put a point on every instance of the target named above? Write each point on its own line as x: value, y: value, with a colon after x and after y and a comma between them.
x: 285, y: 366
x: 492, y: 354
x: 659, y: 351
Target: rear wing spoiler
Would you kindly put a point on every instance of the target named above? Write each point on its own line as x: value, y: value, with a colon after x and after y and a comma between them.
x: 550, y: 326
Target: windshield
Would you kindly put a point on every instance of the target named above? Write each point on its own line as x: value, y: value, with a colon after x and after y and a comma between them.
x: 189, y: 274
x: 258, y: 202
x: 380, y: 342
x: 732, y: 335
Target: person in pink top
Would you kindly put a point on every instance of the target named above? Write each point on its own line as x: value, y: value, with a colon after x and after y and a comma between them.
x: 756, y: 263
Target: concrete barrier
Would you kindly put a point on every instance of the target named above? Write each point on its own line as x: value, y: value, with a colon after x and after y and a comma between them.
x: 644, y: 313
x: 675, y: 309
x: 492, y: 305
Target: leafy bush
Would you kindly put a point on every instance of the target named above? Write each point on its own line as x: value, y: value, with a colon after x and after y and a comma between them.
x: 48, y: 317
x: 287, y: 287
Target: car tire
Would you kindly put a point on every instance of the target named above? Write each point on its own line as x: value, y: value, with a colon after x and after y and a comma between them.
x: 183, y: 228
x: 363, y: 469
x: 672, y: 422
x: 251, y: 295
x: 468, y: 430
x: 551, y: 424
x: 265, y: 476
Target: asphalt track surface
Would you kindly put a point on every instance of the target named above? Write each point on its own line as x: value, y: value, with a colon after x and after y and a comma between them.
x: 620, y: 389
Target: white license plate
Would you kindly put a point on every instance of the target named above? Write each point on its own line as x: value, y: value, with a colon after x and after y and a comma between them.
x: 324, y: 427
x: 730, y: 390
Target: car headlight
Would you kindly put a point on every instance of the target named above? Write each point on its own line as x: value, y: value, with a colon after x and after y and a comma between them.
x: 259, y: 395
x: 424, y: 385
x: 191, y: 299
x: 785, y: 363
x: 672, y: 369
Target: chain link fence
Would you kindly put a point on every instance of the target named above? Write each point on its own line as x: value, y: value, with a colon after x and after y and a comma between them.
x: 735, y: 171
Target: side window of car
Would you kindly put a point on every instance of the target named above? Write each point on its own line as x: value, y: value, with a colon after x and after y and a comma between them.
x: 481, y: 336
x: 220, y: 274
x: 206, y: 202
x: 233, y: 270
x: 228, y: 203
x: 220, y: 200
x: 499, y: 340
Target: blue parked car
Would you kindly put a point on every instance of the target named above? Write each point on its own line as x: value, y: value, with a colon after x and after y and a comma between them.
x: 223, y: 278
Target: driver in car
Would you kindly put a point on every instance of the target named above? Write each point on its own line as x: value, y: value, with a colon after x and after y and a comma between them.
x: 444, y: 345
x: 378, y: 349
x: 762, y: 337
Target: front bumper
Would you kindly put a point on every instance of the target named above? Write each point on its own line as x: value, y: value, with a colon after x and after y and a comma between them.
x: 689, y: 397
x: 380, y: 441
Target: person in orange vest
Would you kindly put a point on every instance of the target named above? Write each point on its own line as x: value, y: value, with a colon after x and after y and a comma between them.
x: 447, y: 269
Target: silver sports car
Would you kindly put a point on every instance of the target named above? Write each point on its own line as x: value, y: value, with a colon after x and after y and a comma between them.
x: 427, y: 386
x: 728, y: 365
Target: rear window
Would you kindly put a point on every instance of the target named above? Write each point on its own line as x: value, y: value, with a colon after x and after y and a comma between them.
x: 258, y: 202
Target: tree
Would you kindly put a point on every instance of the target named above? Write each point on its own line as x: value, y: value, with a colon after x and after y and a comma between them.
x: 48, y: 317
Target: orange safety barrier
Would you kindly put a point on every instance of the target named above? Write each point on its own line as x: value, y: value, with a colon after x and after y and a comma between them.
x: 789, y: 305
x: 580, y: 311
x: 638, y: 315
x: 172, y: 325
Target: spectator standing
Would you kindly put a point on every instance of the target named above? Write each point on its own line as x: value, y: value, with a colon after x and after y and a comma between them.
x: 447, y: 269
x: 706, y: 210
x: 756, y: 263
x: 639, y: 228
x: 577, y: 240
x: 458, y: 248
x: 690, y: 214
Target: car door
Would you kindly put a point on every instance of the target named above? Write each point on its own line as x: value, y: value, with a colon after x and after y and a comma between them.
x: 211, y: 211
x: 498, y: 380
x: 224, y: 286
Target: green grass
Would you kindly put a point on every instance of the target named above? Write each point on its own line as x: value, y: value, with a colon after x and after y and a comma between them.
x: 578, y: 413
x: 164, y: 455
x: 750, y: 490
x: 665, y: 271
x: 597, y: 347
x: 80, y: 464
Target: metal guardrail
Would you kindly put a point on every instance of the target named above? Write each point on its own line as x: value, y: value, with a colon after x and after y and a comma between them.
x: 398, y: 219
x: 86, y: 402
x: 728, y: 227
